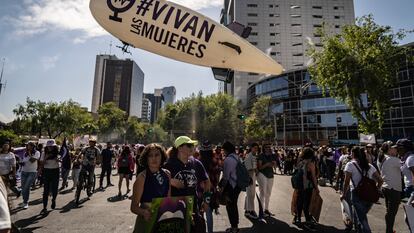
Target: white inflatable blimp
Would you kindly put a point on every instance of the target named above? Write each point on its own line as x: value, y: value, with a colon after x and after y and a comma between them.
x: 176, y: 32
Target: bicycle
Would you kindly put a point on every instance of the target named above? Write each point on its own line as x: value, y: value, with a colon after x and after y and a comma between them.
x: 83, y: 183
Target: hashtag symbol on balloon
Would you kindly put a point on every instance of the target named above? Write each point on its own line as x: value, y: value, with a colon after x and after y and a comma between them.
x: 144, y: 7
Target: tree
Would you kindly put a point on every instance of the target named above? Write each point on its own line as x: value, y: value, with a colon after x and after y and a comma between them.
x: 135, y: 130
x: 111, y: 119
x: 211, y: 117
x: 36, y: 117
x: 258, y: 126
x: 362, y: 61
x: 8, y: 135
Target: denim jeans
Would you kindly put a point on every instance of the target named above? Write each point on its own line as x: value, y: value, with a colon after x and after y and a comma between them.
x: 409, y: 191
x: 361, y: 209
x: 27, y: 180
x: 209, y: 219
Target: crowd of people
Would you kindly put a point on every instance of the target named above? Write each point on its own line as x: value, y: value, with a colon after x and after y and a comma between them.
x: 215, y: 176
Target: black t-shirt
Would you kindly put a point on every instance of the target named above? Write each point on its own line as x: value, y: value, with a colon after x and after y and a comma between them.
x: 107, y: 155
x: 191, y: 174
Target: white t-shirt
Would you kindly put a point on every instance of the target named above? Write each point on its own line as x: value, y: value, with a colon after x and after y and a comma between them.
x: 30, y: 166
x: 356, y: 175
x: 406, y: 171
x: 7, y: 161
x: 49, y: 163
x: 5, y: 222
x: 250, y: 162
x: 391, y: 174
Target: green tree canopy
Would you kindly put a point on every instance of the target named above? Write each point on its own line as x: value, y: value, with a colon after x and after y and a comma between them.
x: 361, y: 61
x: 52, y: 118
x: 111, y: 119
x: 258, y: 123
x: 211, y: 117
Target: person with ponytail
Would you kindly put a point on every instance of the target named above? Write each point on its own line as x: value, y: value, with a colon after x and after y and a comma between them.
x: 354, y: 172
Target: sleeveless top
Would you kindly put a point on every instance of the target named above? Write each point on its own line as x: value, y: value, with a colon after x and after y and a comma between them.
x: 156, y: 185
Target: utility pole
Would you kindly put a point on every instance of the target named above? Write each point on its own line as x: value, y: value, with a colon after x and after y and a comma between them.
x: 2, y: 85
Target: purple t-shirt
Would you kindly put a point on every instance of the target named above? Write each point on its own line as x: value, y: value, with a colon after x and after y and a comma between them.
x: 190, y: 174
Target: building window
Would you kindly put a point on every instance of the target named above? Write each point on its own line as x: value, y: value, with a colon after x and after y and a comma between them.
x: 339, y: 8
x: 273, y: 53
x: 317, y: 7
x: 253, y: 74
x: 253, y: 43
x: 253, y: 33
x: 299, y: 64
x: 337, y: 26
x: 339, y: 17
x: 297, y: 44
x: 294, y: 7
x: 271, y: 24
x: 251, y: 24
x: 317, y: 16
x: 317, y: 26
x: 297, y: 54
x: 271, y: 6
x: 251, y: 5
x: 317, y: 35
x: 272, y: 34
x: 295, y: 16
x: 272, y: 43
x: 252, y: 14
x: 274, y: 15
x: 319, y: 45
x: 296, y: 34
x: 296, y: 25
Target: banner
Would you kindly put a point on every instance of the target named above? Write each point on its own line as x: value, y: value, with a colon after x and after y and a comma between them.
x: 169, y: 215
x: 370, y: 138
x: 174, y: 31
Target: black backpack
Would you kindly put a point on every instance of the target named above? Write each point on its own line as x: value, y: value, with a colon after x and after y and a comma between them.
x: 243, y: 177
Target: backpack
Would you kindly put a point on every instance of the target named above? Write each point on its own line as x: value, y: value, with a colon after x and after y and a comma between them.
x: 124, y: 162
x: 243, y: 177
x: 367, y: 188
x: 297, y: 178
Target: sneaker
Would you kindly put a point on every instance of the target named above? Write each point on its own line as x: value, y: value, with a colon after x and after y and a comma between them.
x: 309, y: 227
x: 44, y: 211
x: 53, y: 206
x: 25, y: 205
x: 268, y: 213
x: 253, y: 215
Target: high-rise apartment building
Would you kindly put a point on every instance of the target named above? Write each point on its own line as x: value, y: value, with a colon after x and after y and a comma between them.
x: 118, y: 81
x: 169, y: 94
x: 146, y: 110
x: 282, y: 29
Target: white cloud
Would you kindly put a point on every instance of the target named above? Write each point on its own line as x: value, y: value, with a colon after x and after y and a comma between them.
x: 73, y: 15
x: 49, y: 62
x: 63, y: 15
x: 5, y: 119
x: 199, y: 4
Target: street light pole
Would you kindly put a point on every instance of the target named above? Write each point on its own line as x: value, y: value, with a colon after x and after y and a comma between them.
x: 284, y: 131
x: 275, y: 122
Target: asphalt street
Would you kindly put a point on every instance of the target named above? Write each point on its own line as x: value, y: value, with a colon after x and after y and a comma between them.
x: 105, y: 212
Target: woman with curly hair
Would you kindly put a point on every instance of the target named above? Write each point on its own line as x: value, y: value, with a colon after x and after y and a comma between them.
x: 153, y: 182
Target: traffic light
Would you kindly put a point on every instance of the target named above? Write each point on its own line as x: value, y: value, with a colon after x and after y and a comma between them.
x: 241, y: 116
x: 149, y: 130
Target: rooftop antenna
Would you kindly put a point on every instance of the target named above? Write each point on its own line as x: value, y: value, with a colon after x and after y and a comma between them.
x: 2, y: 85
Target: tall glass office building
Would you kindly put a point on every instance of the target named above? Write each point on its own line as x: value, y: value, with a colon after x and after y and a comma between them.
x: 299, y: 106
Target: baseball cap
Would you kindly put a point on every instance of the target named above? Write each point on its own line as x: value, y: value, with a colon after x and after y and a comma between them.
x: 184, y: 140
x: 406, y: 143
x: 206, y: 146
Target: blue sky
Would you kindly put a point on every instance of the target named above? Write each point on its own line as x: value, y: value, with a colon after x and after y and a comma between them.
x: 50, y: 48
